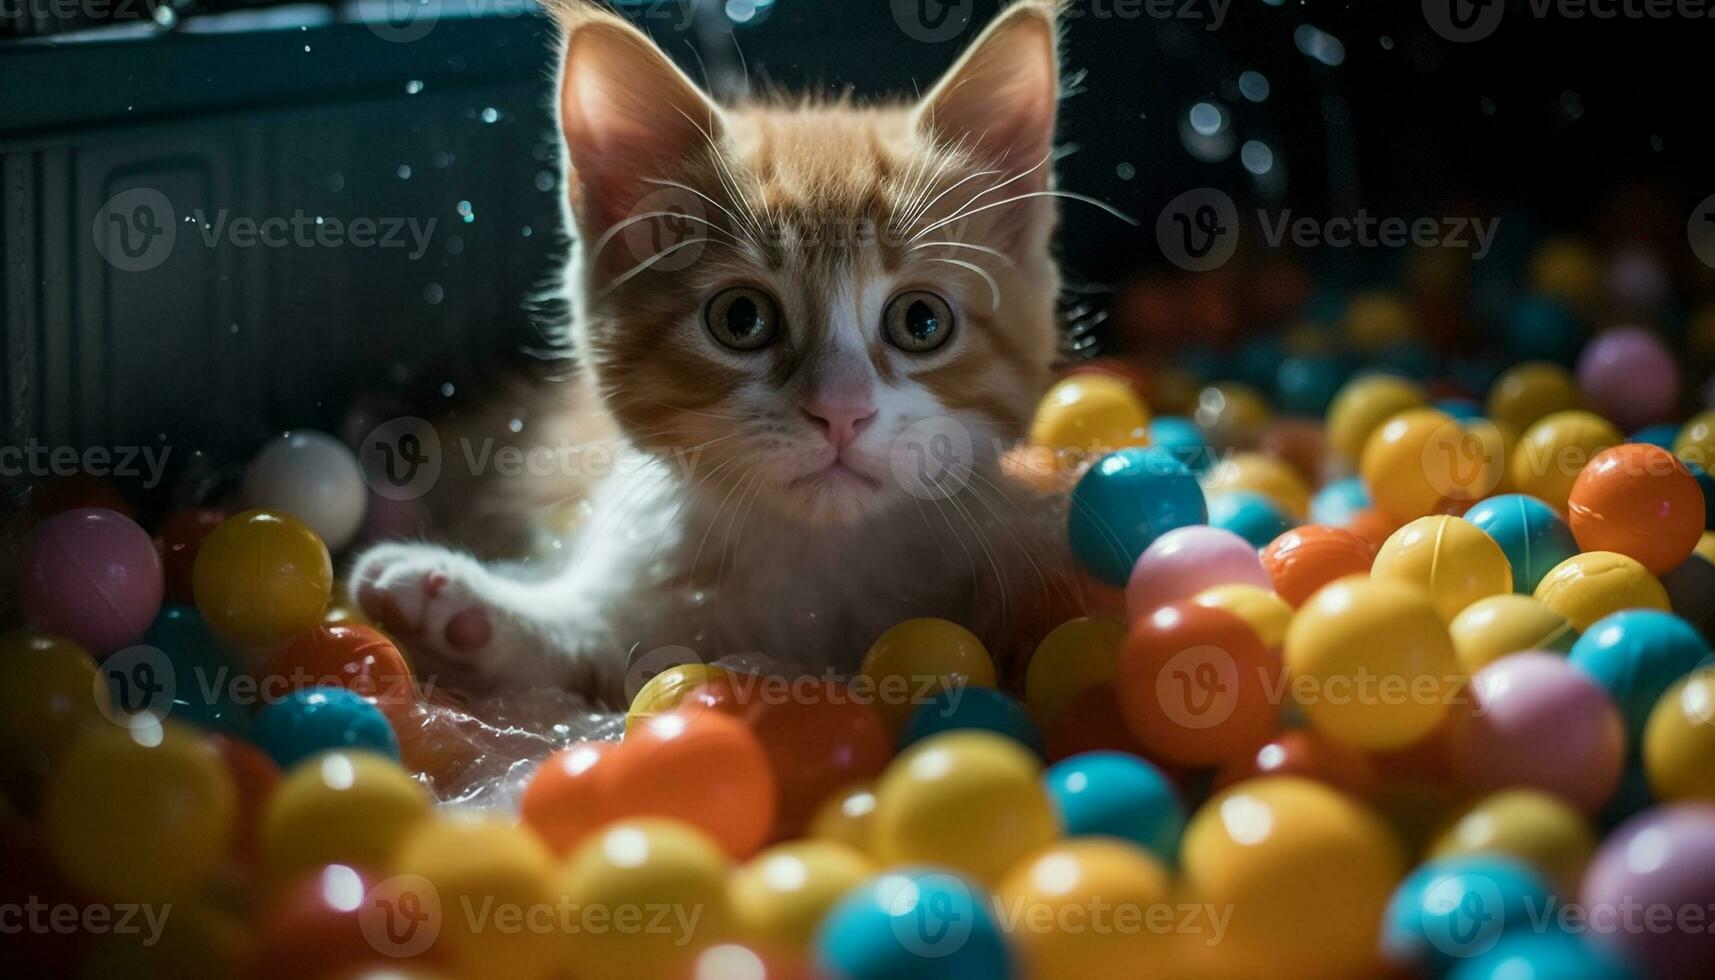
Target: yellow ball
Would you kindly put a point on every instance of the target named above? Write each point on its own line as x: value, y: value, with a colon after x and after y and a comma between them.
x: 1679, y: 741
x: 1696, y: 440
x: 665, y: 690
x: 1550, y: 454
x: 49, y: 694
x: 261, y: 576
x: 1231, y: 414
x: 1491, y: 628
x: 1421, y: 460
x: 1370, y: 663
x: 1088, y: 907
x: 1375, y: 321
x: 493, y: 880
x: 1448, y: 557
x: 1706, y: 545
x: 649, y: 863
x: 1568, y: 269
x: 918, y: 659
x: 1305, y: 871
x: 1090, y: 414
x: 779, y: 898
x: 1079, y: 654
x: 338, y: 808
x: 1262, y: 474
x: 196, y: 938
x: 1363, y: 405
x: 1528, y: 392
x: 1523, y: 823
x: 971, y: 800
x: 1586, y: 587
x: 1267, y: 614
x: 145, y: 813
x: 847, y: 817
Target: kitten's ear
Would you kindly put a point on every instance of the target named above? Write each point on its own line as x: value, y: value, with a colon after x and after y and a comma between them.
x: 628, y: 113
x: 1000, y: 99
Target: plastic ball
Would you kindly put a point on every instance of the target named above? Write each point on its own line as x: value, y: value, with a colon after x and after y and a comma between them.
x: 1423, y: 461
x: 1463, y: 409
x: 468, y: 862
x: 1279, y: 852
x: 1530, y: 533
x: 1114, y: 794
x: 1077, y: 654
x: 1249, y: 515
x: 1181, y: 437
x: 918, y: 659
x: 93, y: 577
x: 1660, y: 434
x: 1551, y: 955
x: 262, y: 576
x: 1639, y: 501
x: 1542, y: 328
x: 1265, y: 613
x: 1527, y: 824
x: 700, y: 767
x: 145, y: 813
x: 314, y: 477
x: 1196, y: 685
x: 1696, y: 441
x: 1339, y: 501
x: 782, y: 894
x: 567, y: 797
x: 1231, y: 414
x: 1090, y: 413
x: 1554, y: 450
x: 1361, y: 407
x: 256, y: 777
x: 1679, y: 740
x: 1493, y: 627
x: 177, y: 540
x: 368, y: 798
x: 1184, y: 562
x: 846, y: 816
x: 1587, y: 587
x: 1371, y: 663
x: 352, y: 656
x: 1531, y: 391
x: 1706, y: 483
x: 1260, y: 474
x: 1539, y: 721
x: 313, y: 928
x: 1097, y: 894
x: 194, y: 677
x: 667, y: 689
x: 1455, y: 908
x: 1628, y: 375
x: 1447, y: 557
x: 1309, y: 755
x: 976, y: 708
x: 1305, y: 559
x: 913, y: 923
x: 49, y: 695
x: 314, y: 720
x: 969, y: 800
x: 1663, y: 858
x: 1124, y: 502
x: 1636, y: 655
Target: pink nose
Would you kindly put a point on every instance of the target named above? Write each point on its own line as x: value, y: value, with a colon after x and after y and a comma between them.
x: 840, y: 419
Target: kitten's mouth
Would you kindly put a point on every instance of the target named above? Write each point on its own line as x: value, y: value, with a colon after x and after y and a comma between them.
x: 837, y: 475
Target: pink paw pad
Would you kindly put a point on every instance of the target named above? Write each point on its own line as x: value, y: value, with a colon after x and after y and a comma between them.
x: 468, y: 631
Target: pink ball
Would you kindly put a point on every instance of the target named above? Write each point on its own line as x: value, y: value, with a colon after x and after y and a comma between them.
x: 93, y: 577
x: 1537, y: 721
x: 1628, y: 375
x: 1187, y: 560
x: 1652, y: 875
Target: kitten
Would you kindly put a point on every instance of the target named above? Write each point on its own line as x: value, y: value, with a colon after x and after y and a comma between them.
x: 818, y: 325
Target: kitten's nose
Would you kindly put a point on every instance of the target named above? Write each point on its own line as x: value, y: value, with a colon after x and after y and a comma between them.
x: 840, y: 419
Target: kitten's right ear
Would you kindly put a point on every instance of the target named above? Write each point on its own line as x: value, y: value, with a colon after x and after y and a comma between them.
x: 628, y: 113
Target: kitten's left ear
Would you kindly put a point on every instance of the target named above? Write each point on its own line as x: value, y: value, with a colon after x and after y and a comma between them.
x: 1001, y: 98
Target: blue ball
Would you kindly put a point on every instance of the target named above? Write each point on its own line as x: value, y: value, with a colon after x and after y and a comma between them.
x: 1657, y: 435
x: 1530, y: 533
x: 1541, y: 328
x: 1113, y: 794
x: 973, y: 707
x: 920, y: 923
x: 1636, y: 655
x: 1707, y: 484
x: 320, y: 718
x: 1257, y: 360
x: 1463, y: 409
x: 1456, y: 908
x: 1127, y: 500
x: 1181, y: 437
x: 1338, y: 502
x: 1249, y: 515
x: 1551, y: 955
x: 1307, y: 383
x: 190, y: 679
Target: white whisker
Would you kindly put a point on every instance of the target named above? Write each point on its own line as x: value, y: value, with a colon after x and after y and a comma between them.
x: 994, y: 287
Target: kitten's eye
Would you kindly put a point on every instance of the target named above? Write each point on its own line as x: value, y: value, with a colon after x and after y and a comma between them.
x: 917, y: 322
x: 743, y: 318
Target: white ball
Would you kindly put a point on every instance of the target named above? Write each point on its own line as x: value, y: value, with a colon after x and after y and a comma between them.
x: 315, y: 478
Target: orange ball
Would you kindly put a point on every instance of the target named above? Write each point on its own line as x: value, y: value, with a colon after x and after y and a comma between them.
x: 1373, y: 526
x: 1306, y: 558
x: 568, y: 796
x: 700, y: 767
x: 1308, y: 754
x: 349, y: 655
x: 256, y: 777
x: 1640, y: 501
x: 1197, y: 686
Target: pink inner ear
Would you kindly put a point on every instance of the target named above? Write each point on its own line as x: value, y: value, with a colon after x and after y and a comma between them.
x: 1002, y: 96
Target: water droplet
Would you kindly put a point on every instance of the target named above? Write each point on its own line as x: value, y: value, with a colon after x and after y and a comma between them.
x: 1125, y: 171
x: 467, y: 212
x: 447, y: 388
x: 1254, y: 86
x: 404, y: 172
x: 545, y: 180
x: 490, y: 114
x: 1207, y: 119
x: 1257, y: 157
x: 433, y: 294
x: 413, y: 86
x: 1320, y: 45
